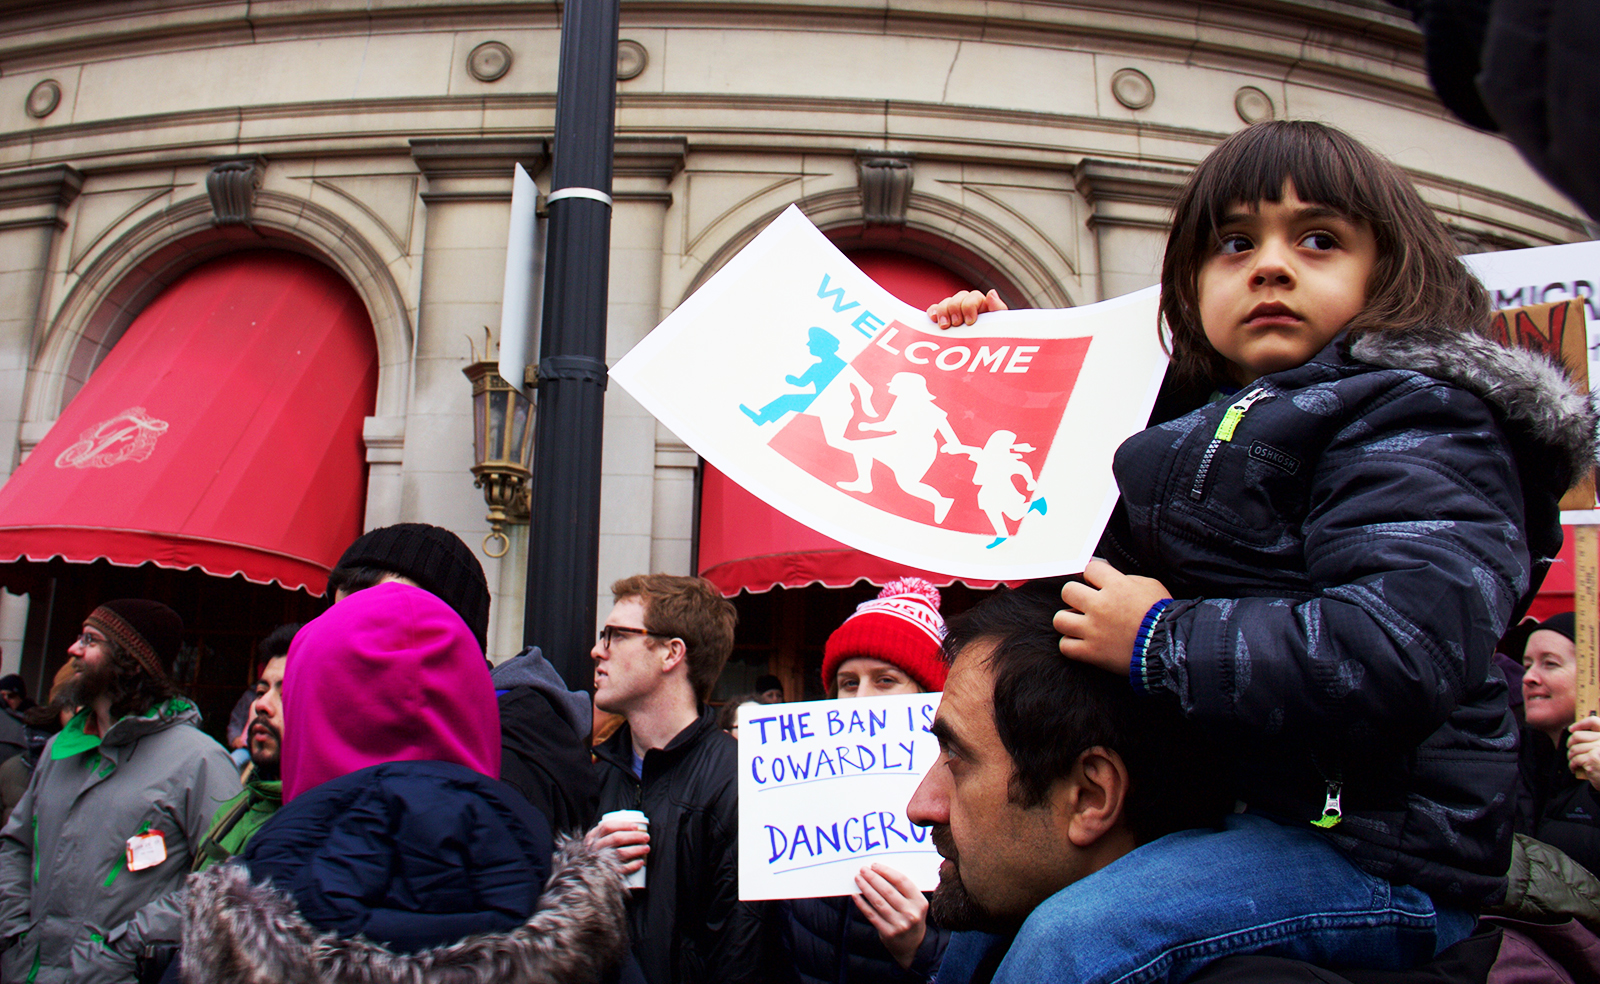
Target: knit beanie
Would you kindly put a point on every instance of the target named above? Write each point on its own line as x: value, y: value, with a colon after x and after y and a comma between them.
x: 901, y: 626
x: 1515, y: 642
x: 148, y: 631
x: 436, y: 560
x: 1565, y: 623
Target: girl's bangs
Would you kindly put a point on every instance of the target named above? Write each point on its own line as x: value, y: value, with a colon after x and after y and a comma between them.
x: 1258, y: 162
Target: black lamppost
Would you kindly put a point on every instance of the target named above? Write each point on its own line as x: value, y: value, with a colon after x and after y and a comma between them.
x: 563, y: 552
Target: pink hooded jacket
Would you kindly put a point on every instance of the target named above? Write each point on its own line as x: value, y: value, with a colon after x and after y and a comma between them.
x: 390, y: 674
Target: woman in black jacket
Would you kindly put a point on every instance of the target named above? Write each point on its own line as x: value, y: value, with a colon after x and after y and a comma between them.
x: 1555, y: 806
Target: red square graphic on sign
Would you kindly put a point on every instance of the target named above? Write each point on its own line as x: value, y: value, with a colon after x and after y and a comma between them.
x: 943, y: 431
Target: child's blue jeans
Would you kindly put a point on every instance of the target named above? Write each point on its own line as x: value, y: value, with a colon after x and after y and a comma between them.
x: 1168, y: 908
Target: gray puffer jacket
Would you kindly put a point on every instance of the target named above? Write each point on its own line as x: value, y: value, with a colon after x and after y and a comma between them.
x: 70, y: 910
x: 1346, y: 544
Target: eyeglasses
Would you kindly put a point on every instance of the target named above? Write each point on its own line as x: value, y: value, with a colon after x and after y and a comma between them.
x: 609, y: 633
x: 86, y: 640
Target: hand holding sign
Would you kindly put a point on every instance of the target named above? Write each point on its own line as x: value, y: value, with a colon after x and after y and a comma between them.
x: 1583, y: 750
x: 963, y: 308
x: 895, y: 907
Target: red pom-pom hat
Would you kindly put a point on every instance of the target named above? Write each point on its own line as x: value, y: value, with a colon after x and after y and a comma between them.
x: 901, y: 626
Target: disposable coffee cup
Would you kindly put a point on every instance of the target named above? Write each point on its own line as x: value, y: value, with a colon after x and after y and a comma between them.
x: 638, y: 819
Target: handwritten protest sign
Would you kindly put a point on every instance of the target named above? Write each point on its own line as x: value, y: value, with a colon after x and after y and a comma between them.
x: 823, y: 788
x: 1542, y: 275
x: 980, y: 452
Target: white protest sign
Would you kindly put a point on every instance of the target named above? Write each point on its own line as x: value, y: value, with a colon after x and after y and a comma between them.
x: 980, y: 452
x: 823, y: 788
x: 1542, y: 275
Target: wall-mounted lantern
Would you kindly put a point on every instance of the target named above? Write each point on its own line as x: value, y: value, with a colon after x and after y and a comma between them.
x: 502, y: 420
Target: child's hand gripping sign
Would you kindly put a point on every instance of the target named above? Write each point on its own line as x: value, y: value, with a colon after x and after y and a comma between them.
x: 981, y: 452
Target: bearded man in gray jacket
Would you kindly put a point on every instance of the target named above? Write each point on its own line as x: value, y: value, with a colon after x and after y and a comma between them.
x: 106, y: 831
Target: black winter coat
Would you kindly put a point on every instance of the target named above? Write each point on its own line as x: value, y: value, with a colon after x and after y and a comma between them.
x: 1344, y: 560
x: 546, y: 762
x: 410, y: 854
x: 544, y: 740
x: 1553, y: 805
x: 831, y: 942
x: 688, y: 926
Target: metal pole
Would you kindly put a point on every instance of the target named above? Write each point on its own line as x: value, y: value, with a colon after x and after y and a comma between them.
x: 563, y: 552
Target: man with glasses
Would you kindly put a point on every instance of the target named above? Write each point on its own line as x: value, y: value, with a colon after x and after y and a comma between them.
x: 658, y: 656
x: 119, y: 799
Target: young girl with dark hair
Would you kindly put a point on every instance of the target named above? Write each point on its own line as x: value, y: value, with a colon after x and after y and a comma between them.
x: 1347, y: 494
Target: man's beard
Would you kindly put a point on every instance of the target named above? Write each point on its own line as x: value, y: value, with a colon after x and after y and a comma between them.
x: 266, y: 763
x: 952, y: 906
x: 90, y: 683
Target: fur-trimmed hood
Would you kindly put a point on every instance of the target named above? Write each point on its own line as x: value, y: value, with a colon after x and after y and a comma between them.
x: 239, y: 932
x: 1531, y: 392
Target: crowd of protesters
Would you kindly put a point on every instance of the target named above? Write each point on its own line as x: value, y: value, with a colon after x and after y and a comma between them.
x: 1264, y: 737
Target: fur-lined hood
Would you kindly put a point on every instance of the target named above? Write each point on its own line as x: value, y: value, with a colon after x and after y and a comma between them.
x: 239, y: 932
x: 1531, y: 392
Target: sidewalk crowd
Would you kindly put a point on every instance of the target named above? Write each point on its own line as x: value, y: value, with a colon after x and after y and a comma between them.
x: 1292, y: 724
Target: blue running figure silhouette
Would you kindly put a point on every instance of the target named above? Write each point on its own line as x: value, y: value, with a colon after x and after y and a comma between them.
x: 828, y: 365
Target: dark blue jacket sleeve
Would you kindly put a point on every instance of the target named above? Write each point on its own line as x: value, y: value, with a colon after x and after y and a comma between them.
x: 1415, y: 553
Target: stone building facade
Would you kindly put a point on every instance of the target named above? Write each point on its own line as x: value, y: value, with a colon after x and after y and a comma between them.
x: 1025, y: 145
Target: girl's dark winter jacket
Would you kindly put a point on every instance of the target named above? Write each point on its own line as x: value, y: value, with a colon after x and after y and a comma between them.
x: 1344, y: 561
x: 401, y: 871
x: 833, y: 943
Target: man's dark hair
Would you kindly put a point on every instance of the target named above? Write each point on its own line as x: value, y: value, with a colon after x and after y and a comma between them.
x: 353, y: 579
x: 1049, y: 709
x: 728, y: 714
x: 277, y: 641
x: 135, y: 690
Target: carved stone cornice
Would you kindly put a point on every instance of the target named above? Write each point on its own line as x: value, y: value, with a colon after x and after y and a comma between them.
x: 38, y: 195
x: 643, y: 167
x: 476, y: 168
x: 649, y: 157
x: 1127, y: 194
x: 477, y: 157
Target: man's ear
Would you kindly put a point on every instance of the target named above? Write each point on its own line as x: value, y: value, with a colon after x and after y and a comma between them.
x: 1091, y: 801
x: 671, y: 653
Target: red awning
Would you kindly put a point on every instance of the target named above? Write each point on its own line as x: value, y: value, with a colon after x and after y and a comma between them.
x: 746, y: 545
x: 223, y: 431
x: 1556, y: 593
